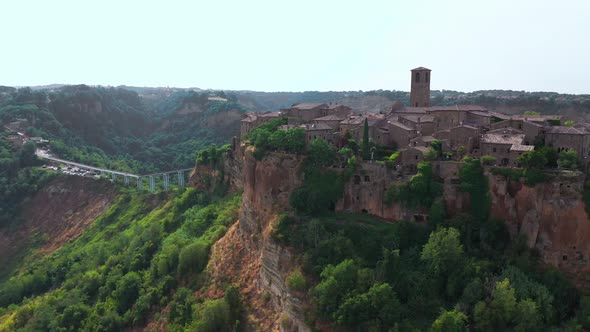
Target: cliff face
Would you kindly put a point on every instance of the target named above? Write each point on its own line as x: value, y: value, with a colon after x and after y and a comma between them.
x: 58, y: 213
x: 247, y: 254
x: 552, y: 216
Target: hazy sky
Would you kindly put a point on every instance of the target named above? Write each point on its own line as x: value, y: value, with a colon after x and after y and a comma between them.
x: 535, y: 45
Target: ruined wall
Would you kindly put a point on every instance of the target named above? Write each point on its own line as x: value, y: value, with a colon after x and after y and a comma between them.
x: 552, y: 215
x: 365, y: 193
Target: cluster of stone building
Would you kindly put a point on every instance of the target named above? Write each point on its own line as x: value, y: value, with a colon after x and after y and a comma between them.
x: 469, y: 129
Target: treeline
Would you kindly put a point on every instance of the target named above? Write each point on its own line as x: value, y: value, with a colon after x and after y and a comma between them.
x: 116, y: 128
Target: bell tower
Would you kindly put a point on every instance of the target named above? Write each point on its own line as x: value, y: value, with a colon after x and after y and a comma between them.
x: 420, y: 92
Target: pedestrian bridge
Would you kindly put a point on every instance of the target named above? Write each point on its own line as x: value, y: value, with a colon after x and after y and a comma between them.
x: 152, y: 181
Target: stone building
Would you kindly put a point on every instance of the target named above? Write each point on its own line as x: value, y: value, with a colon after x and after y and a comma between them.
x: 332, y: 120
x: 576, y: 138
x: 420, y: 87
x: 466, y: 136
x: 253, y: 120
x: 400, y: 135
x: 313, y: 131
x: 498, y: 144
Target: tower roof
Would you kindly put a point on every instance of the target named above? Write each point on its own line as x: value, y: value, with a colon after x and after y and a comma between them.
x: 421, y: 68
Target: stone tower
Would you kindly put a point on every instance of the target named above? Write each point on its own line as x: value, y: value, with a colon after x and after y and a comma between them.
x: 420, y: 93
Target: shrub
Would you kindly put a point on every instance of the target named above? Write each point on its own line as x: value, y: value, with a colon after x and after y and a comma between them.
x: 193, y: 258
x: 296, y: 281
x: 488, y: 160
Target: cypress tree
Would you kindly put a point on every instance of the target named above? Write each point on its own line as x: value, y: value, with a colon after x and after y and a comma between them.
x: 366, y: 153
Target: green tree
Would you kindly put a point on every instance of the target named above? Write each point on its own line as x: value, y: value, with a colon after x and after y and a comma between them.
x: 320, y: 154
x: 532, y: 160
x: 378, y: 307
x: 443, y: 252
x: 365, y: 148
x: 450, y: 321
x: 498, y: 314
x: 27, y: 154
x: 568, y: 160
x: 127, y: 291
x: 430, y: 154
x: 569, y: 123
x: 193, y: 258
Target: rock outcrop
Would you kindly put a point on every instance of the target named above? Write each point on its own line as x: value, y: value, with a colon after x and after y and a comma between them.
x: 248, y: 254
x: 553, y: 218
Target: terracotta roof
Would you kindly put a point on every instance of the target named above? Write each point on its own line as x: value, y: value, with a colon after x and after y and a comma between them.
x: 353, y: 120
x: 567, y: 130
x: 507, y: 130
x: 316, y: 126
x: 400, y: 125
x: 465, y: 126
x: 418, y: 118
x: 481, y: 113
x: 500, y: 115
x: 537, y: 118
x: 308, y: 106
x: 522, y: 148
x: 503, y: 138
x: 331, y: 117
x: 336, y: 105
x: 270, y: 114
x: 421, y: 68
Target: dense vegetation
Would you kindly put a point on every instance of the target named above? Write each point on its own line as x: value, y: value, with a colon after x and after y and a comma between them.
x: 451, y: 274
x: 138, y: 257
x: 17, y: 179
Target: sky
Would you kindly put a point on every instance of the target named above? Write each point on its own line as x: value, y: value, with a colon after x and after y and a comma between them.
x: 301, y: 45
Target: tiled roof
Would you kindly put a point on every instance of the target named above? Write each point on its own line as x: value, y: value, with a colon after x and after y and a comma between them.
x: 507, y: 130
x: 567, y: 130
x: 316, y: 126
x: 503, y: 138
x: 418, y: 118
x: 270, y: 114
x: 465, y: 126
x: 331, y: 117
x: 308, y: 106
x: 400, y: 125
x: 336, y: 105
x: 481, y: 113
x: 522, y: 148
x: 500, y: 115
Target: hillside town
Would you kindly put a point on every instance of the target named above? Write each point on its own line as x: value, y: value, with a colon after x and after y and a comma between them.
x: 463, y: 130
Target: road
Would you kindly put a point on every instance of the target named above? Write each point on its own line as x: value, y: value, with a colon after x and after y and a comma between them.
x: 45, y: 155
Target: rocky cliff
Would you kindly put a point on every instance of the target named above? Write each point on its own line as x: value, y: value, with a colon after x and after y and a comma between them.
x: 552, y: 216
x: 247, y: 254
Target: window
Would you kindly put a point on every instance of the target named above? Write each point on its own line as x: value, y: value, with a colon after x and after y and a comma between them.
x: 367, y: 178
x: 416, y: 104
x: 427, y: 77
x: 494, y: 149
x: 416, y: 157
x: 417, y: 77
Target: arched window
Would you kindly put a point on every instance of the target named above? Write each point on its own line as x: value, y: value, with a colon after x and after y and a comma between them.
x: 417, y: 77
